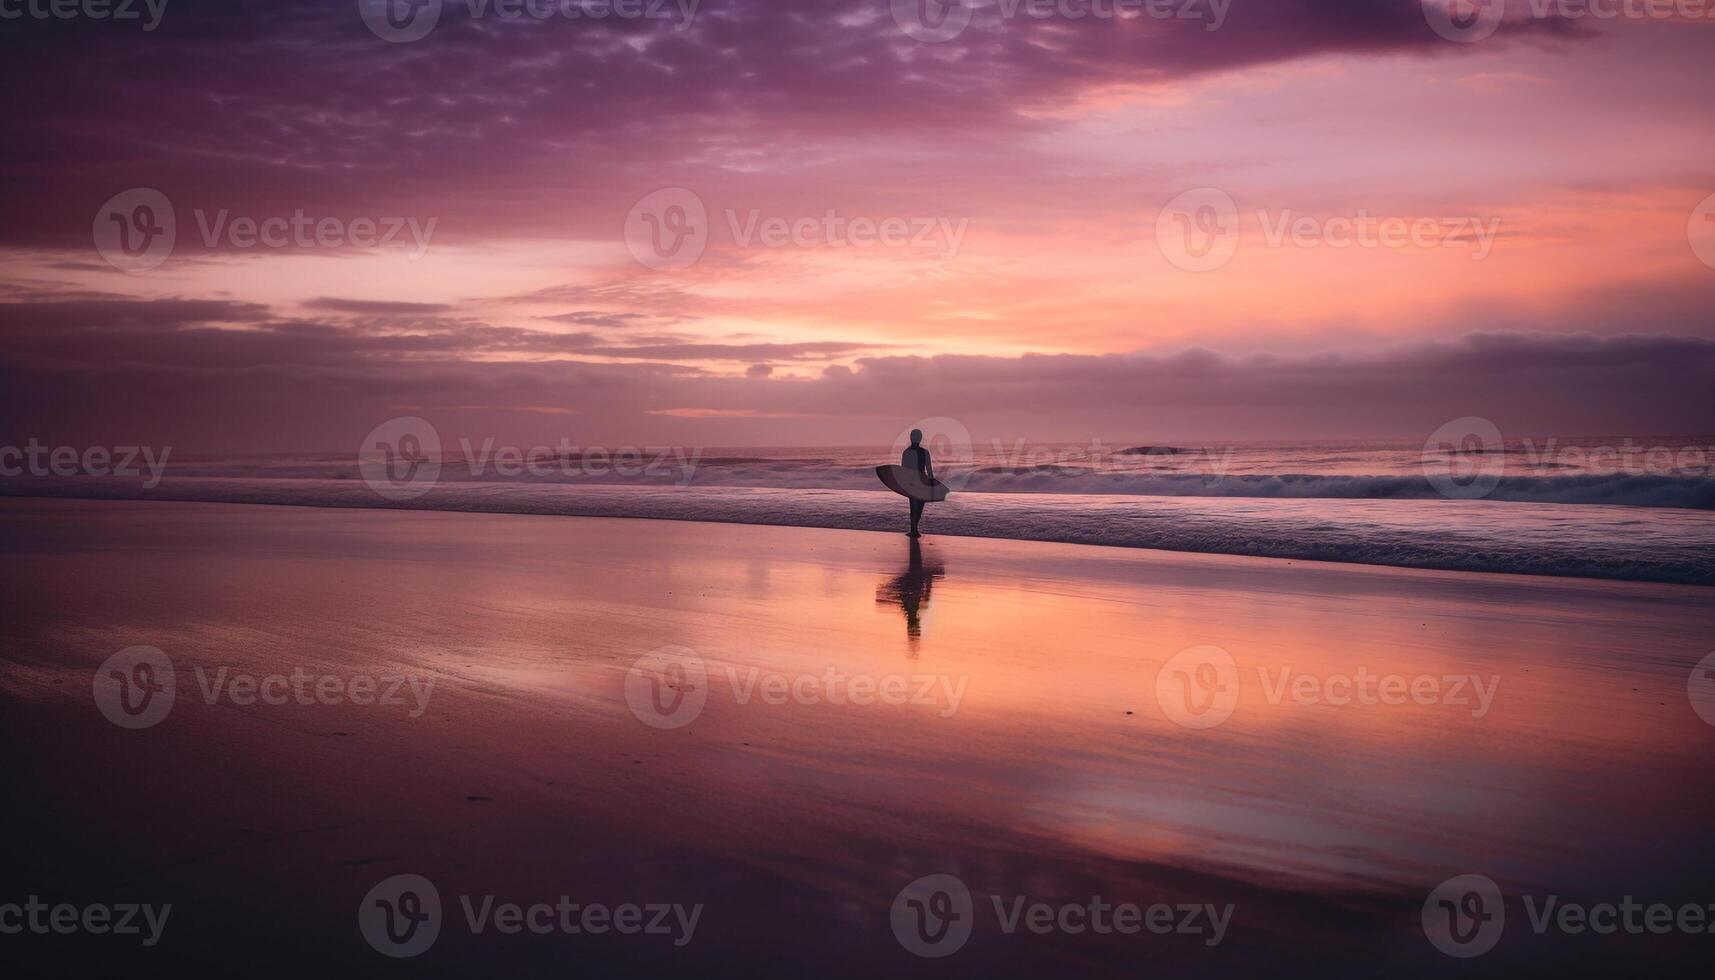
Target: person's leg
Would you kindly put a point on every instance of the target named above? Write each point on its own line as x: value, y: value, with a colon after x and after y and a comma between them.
x: 916, y: 515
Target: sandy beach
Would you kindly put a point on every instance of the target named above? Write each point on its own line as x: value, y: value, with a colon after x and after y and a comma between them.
x: 819, y: 719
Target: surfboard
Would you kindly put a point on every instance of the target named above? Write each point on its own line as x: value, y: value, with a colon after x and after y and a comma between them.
x: 910, y: 483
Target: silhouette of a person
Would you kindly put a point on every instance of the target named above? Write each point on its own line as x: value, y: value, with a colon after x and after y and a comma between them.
x: 915, y: 457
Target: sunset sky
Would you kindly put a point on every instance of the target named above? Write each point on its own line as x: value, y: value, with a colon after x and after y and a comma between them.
x: 1566, y: 164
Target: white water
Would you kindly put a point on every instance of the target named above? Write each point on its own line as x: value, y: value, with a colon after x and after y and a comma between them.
x: 1648, y: 544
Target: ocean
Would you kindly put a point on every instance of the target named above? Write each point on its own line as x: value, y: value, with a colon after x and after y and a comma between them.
x: 1618, y: 508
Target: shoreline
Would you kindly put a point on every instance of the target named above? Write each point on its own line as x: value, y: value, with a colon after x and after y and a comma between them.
x: 1585, y: 541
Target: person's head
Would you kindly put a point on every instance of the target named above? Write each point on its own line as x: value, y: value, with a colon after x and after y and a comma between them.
x: 916, y: 436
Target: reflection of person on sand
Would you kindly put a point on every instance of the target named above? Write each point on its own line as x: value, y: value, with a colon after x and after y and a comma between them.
x: 915, y: 457
x: 910, y: 589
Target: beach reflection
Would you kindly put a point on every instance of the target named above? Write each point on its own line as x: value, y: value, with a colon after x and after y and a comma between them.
x: 910, y: 590
x: 1391, y: 730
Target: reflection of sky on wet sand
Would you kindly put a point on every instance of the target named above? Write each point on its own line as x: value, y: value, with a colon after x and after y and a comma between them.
x: 1058, y: 774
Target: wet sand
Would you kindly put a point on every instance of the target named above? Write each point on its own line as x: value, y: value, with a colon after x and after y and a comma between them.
x: 1030, y: 748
